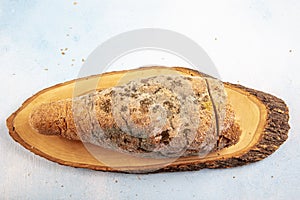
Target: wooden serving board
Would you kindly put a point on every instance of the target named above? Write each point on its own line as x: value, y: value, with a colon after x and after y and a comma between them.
x: 263, y: 119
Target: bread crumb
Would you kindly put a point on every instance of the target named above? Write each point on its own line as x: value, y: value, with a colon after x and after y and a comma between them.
x: 74, y: 3
x: 63, y: 51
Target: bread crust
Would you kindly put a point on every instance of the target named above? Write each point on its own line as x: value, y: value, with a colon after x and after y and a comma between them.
x: 162, y: 116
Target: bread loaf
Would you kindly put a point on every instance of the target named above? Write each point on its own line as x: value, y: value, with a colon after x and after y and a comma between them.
x: 160, y: 116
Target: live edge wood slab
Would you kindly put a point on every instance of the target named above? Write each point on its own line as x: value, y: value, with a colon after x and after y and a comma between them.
x: 263, y: 119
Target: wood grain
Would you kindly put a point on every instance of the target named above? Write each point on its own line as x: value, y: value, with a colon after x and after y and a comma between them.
x: 262, y: 117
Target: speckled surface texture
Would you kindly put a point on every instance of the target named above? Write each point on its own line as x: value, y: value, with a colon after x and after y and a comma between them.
x: 252, y: 43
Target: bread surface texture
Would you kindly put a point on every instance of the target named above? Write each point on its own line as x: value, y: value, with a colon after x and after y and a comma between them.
x: 159, y: 116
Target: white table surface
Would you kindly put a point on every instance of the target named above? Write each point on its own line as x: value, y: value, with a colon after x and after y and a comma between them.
x: 255, y: 43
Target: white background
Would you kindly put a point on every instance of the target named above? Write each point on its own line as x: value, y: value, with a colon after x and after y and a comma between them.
x: 252, y: 42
